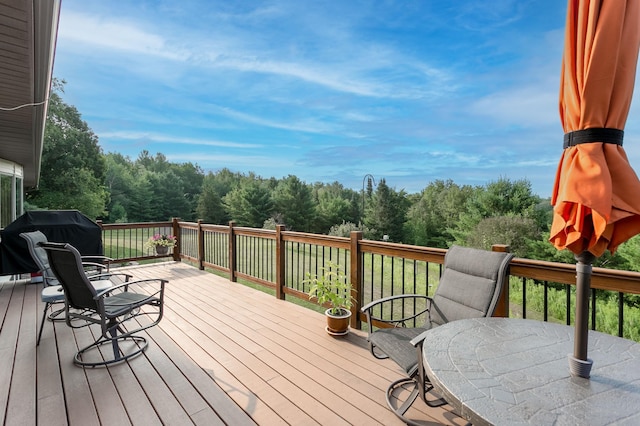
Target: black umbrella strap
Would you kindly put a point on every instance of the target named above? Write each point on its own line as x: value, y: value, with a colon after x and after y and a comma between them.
x: 603, y: 135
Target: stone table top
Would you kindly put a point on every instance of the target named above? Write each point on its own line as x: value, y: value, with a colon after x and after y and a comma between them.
x: 504, y: 371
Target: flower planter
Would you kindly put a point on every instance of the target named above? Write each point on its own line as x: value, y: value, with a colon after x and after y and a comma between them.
x: 161, y: 243
x: 338, y: 325
x: 162, y: 250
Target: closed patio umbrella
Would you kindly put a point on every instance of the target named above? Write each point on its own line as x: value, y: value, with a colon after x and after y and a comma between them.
x: 596, y: 195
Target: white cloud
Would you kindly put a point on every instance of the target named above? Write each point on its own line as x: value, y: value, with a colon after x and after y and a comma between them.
x: 364, y: 70
x: 162, y: 138
x: 253, y: 162
x: 115, y: 35
x: 520, y: 106
x: 308, y: 125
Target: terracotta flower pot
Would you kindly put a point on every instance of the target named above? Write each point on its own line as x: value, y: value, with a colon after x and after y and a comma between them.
x: 338, y: 325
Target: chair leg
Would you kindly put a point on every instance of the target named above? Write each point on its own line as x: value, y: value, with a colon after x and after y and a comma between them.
x: 436, y: 402
x: 53, y: 316
x: 44, y: 317
x: 409, y: 383
x: 138, y: 345
x: 410, y: 399
x: 113, y: 331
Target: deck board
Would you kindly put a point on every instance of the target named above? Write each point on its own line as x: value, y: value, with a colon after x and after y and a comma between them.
x: 23, y: 383
x: 134, y: 399
x: 77, y: 393
x: 224, y: 353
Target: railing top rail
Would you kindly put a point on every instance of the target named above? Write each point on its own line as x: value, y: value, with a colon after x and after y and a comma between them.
x: 329, y: 240
x: 565, y: 273
x: 218, y: 228
x: 188, y: 225
x: 255, y: 232
x: 427, y: 254
x: 183, y: 223
x: 136, y: 225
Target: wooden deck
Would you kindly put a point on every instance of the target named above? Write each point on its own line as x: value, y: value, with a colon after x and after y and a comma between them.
x: 223, y: 354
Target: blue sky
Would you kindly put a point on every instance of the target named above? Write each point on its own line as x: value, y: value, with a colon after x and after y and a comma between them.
x: 408, y: 91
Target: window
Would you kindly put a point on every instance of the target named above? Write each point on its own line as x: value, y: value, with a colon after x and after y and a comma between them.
x: 6, y: 206
x: 11, y: 192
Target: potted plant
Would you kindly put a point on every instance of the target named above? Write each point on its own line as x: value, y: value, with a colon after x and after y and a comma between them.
x: 161, y: 243
x: 332, y: 288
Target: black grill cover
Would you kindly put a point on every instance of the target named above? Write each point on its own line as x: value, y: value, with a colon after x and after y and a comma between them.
x: 62, y: 226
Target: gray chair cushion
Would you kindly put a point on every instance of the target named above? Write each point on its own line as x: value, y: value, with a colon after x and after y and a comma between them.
x: 39, y: 255
x: 395, y: 342
x: 52, y: 294
x: 468, y: 285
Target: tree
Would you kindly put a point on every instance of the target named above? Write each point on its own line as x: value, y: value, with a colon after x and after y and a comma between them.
x: 141, y: 206
x: 435, y: 212
x: 82, y: 192
x: 630, y: 251
x: 118, y: 214
x: 210, y: 208
x: 333, y: 206
x: 175, y: 188
x: 192, y: 177
x: 386, y: 212
x: 168, y: 198
x: 73, y: 168
x: 249, y: 204
x: 345, y: 228
x: 294, y: 201
x: 499, y: 198
x: 119, y: 181
x: 214, y: 187
x: 515, y: 231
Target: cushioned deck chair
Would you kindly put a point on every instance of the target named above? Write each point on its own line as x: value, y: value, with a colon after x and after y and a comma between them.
x: 52, y: 292
x: 120, y: 312
x: 469, y: 287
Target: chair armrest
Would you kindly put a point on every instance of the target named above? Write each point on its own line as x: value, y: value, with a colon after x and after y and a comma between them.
x: 100, y: 262
x: 396, y: 322
x: 419, y: 339
x: 127, y: 277
x: 98, y: 266
x: 159, y: 293
x: 373, y: 303
x: 105, y: 259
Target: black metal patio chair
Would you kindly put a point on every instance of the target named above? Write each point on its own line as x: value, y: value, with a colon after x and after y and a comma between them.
x: 52, y: 292
x: 120, y: 312
x: 469, y: 287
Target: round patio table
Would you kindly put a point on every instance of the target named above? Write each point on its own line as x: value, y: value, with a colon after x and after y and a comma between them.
x: 504, y: 371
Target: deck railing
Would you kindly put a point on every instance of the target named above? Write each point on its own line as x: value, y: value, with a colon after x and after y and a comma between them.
x: 281, y: 260
x: 125, y: 242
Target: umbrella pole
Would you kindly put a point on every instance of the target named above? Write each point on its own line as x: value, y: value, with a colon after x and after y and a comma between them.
x: 579, y: 364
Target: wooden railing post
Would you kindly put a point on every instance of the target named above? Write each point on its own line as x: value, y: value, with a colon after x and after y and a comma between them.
x: 175, y: 225
x: 232, y: 252
x: 280, y: 262
x: 502, y: 307
x: 356, y: 279
x: 200, y: 246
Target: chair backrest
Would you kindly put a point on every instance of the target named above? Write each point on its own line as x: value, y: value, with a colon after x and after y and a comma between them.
x: 39, y: 255
x: 66, y: 264
x: 470, y: 284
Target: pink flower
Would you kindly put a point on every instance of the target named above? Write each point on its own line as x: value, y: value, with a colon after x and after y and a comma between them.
x: 161, y: 240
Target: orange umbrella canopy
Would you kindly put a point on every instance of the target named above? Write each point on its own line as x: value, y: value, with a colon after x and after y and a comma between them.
x: 596, y: 195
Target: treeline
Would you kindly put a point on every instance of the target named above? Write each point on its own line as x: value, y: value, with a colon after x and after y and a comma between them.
x: 76, y: 174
